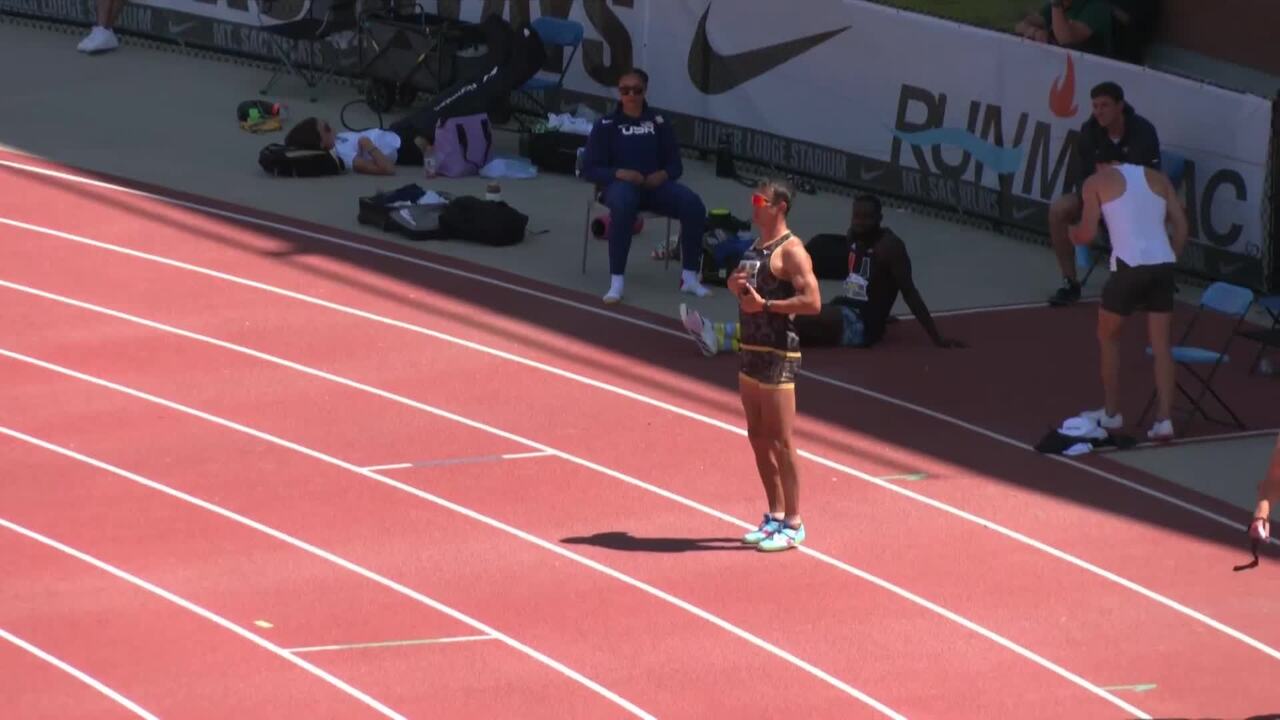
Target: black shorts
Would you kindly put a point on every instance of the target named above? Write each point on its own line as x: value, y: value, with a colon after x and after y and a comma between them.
x: 1142, y: 287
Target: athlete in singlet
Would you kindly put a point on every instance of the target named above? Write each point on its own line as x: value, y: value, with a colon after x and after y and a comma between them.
x: 1137, y: 202
x: 774, y: 282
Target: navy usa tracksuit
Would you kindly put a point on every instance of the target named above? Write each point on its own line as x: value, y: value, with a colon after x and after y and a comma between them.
x: 645, y: 144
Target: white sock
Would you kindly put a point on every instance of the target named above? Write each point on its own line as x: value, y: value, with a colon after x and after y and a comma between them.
x: 615, y: 285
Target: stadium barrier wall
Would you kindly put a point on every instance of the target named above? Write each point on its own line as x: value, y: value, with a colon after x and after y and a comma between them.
x: 854, y: 94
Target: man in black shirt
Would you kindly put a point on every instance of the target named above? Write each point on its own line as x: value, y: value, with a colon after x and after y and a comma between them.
x: 1113, y: 121
x: 879, y: 269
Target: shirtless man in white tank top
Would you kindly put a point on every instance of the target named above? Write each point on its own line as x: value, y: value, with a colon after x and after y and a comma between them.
x: 1137, y: 203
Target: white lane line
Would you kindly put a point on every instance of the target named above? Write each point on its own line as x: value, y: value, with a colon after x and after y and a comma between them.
x: 78, y: 674
x: 393, y: 643
x: 582, y: 307
x: 901, y: 592
x: 462, y: 510
x: 206, y: 614
x: 639, y: 397
x: 459, y: 461
x: 336, y: 560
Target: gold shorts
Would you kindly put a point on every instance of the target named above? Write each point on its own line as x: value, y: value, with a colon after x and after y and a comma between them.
x: 768, y: 367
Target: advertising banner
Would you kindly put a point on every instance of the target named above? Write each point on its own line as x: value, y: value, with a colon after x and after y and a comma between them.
x: 854, y: 93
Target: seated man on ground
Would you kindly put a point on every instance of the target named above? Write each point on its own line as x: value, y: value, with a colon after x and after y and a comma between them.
x: 633, y: 156
x: 1083, y: 25
x: 879, y: 268
x: 1114, y: 123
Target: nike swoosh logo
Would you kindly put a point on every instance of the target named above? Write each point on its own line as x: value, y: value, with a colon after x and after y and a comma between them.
x: 1023, y: 213
x: 179, y: 28
x: 713, y: 73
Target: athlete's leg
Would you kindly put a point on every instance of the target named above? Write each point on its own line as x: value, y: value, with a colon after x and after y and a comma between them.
x: 753, y: 397
x: 778, y: 413
x: 1109, y: 325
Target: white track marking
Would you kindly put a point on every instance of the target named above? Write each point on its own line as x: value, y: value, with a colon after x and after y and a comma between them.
x: 394, y: 643
x: 594, y: 310
x: 583, y: 379
x: 982, y: 522
x: 491, y: 522
x: 336, y: 560
x: 458, y: 461
x: 78, y: 674
x: 206, y: 614
x: 901, y: 592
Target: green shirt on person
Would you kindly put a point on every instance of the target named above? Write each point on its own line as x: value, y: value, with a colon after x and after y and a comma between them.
x: 1094, y: 13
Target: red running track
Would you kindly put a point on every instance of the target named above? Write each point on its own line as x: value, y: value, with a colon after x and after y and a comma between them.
x: 674, y: 646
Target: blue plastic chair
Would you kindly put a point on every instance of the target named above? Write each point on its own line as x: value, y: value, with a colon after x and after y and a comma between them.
x: 1226, y: 299
x: 1174, y: 165
x: 556, y: 34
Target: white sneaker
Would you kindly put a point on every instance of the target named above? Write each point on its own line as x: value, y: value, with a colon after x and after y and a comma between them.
x: 1100, y: 416
x: 1162, y: 431
x: 694, y: 288
x: 700, y: 330
x: 613, y: 297
x: 100, y: 39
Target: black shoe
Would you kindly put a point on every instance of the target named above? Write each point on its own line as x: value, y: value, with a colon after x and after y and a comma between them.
x: 1067, y: 294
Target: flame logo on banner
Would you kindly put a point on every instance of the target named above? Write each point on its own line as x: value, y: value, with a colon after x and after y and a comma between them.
x: 1062, y: 96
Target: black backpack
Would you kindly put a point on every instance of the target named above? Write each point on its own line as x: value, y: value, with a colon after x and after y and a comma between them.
x: 488, y: 222
x: 284, y: 161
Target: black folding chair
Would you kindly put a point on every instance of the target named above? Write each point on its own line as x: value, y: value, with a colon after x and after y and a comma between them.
x: 322, y: 19
x: 1267, y: 337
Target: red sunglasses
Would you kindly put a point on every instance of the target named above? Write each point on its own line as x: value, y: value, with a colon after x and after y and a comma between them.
x: 758, y: 200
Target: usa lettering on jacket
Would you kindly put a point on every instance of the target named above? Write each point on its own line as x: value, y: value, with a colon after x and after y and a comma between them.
x: 644, y: 128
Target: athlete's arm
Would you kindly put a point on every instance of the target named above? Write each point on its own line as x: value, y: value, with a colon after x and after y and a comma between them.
x: 1091, y: 213
x: 797, y: 267
x: 894, y: 253
x: 1175, y: 215
x: 371, y: 160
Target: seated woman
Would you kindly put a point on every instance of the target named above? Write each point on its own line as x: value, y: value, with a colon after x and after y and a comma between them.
x: 633, y: 156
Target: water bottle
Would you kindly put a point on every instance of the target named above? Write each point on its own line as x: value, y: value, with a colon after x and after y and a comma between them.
x: 429, y: 164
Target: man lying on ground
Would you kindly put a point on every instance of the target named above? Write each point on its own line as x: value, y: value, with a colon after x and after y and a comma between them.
x: 370, y: 152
